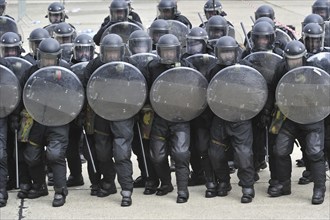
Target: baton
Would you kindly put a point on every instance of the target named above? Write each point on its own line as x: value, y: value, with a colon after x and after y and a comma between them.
x: 246, y: 37
x: 89, y: 149
x: 267, y: 150
x: 200, y: 17
x: 16, y: 159
x: 142, y: 148
x: 252, y: 19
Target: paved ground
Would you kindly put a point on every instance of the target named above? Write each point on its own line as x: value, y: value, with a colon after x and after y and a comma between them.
x: 87, y: 16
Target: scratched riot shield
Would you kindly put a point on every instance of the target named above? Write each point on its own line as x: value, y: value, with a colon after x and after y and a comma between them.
x: 320, y: 60
x: 67, y: 51
x: 142, y: 59
x: 237, y: 93
x: 178, y: 29
x: 302, y: 94
x: 53, y: 96
x: 179, y: 94
x: 78, y: 69
x: 7, y: 25
x: 281, y: 36
x: 116, y: 91
x: 265, y: 63
x: 50, y: 28
x: 202, y: 62
x: 327, y: 34
x: 123, y: 29
x: 10, y: 91
x: 19, y: 65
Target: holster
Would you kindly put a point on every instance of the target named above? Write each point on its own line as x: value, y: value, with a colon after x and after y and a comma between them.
x: 277, y: 121
x: 26, y: 125
x: 147, y: 115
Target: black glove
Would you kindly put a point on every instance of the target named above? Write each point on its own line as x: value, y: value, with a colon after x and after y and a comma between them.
x: 14, y: 123
x: 80, y: 119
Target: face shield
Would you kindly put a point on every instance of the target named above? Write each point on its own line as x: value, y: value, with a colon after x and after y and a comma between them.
x: 226, y: 56
x: 6, y: 51
x: 195, y: 46
x: 263, y: 42
x: 323, y: 12
x: 109, y: 54
x: 83, y: 53
x: 56, y: 17
x: 215, y: 32
x: 62, y: 39
x: 2, y: 9
x: 48, y: 59
x: 140, y: 45
x: 313, y: 44
x: 33, y: 45
x: 166, y: 13
x: 169, y: 54
x: 210, y: 13
x: 294, y: 62
x: 156, y: 34
x: 118, y: 14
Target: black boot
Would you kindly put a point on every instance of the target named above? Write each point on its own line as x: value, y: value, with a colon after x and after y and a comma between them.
x: 306, y: 178
x: 223, y: 189
x: 164, y: 189
x: 94, y: 189
x: 106, y: 189
x: 37, y: 191
x: 3, y: 197
x: 280, y: 189
x: 50, y: 177
x: 75, y: 181
x: 139, y: 182
x: 272, y: 183
x: 127, y: 199
x: 151, y: 187
x: 24, y: 191
x: 211, y: 190
x: 318, y: 195
x: 248, y: 195
x: 183, y: 197
x: 59, y: 197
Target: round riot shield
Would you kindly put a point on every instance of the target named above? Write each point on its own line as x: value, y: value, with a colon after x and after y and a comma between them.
x: 50, y: 28
x: 53, y: 96
x: 302, y: 94
x: 10, y: 91
x: 281, y: 36
x: 320, y: 60
x: 202, y: 62
x: 19, y: 65
x: 7, y: 25
x: 78, y: 69
x: 237, y: 93
x: 327, y: 34
x: 142, y: 59
x: 265, y: 63
x: 123, y: 29
x: 179, y: 94
x: 116, y: 91
x: 67, y: 51
x: 178, y: 29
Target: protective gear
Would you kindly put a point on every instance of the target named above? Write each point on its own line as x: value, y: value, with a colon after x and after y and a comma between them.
x: 196, y: 41
x: 167, y: 9
x: 294, y: 52
x: 119, y: 10
x: 226, y: 50
x: 10, y: 45
x: 83, y: 48
x: 266, y: 19
x: 36, y: 36
x: 322, y: 8
x: 139, y: 42
x: 157, y: 29
x: 112, y: 48
x: 213, y: 7
x: 56, y: 13
x: 217, y: 27
x: 49, y: 53
x: 64, y: 33
x: 3, y: 4
x: 263, y: 36
x: 313, y: 38
x: 313, y: 18
x: 264, y: 11
x: 168, y: 49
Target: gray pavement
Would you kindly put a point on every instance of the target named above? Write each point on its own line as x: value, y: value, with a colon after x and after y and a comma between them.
x: 87, y: 16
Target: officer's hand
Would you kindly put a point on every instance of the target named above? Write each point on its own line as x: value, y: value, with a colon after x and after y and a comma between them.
x: 14, y: 123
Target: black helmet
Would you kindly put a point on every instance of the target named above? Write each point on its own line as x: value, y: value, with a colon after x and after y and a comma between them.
x: 217, y: 27
x: 56, y: 13
x: 119, y: 10
x: 3, y: 4
x: 322, y: 8
x: 313, y: 37
x: 167, y: 9
x: 263, y: 36
x: 294, y: 52
x: 196, y: 41
x: 139, y: 42
x: 157, y: 29
x: 83, y: 48
x: 226, y: 50
x: 168, y: 49
x: 10, y: 45
x: 112, y: 48
x: 49, y: 52
x: 36, y: 36
x: 64, y: 33
x: 267, y: 19
x: 313, y: 18
x: 211, y: 8
x: 264, y: 11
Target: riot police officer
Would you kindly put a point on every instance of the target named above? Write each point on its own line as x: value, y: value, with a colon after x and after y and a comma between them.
x: 56, y: 13
x: 139, y: 42
x: 157, y: 29
x: 169, y: 136
x: 3, y: 5
x: 322, y: 8
x: 197, y: 43
x: 216, y: 27
x: 168, y: 10
x: 10, y: 45
x: 313, y: 38
x: 55, y: 138
x: 35, y: 37
x: 313, y: 134
x: 225, y: 134
x: 113, y: 138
